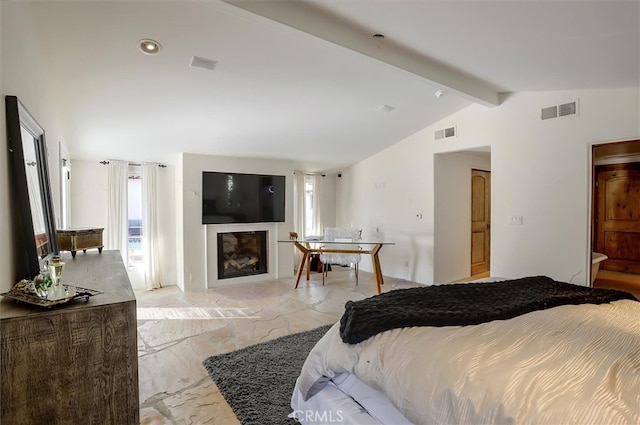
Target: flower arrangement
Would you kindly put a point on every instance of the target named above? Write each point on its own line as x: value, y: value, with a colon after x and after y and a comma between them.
x: 41, y: 284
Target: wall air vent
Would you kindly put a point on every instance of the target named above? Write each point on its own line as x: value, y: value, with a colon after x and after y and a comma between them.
x: 550, y: 112
x: 563, y: 110
x: 445, y: 133
x: 567, y: 109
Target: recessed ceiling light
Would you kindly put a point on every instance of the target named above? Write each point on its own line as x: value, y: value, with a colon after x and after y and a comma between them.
x: 148, y: 46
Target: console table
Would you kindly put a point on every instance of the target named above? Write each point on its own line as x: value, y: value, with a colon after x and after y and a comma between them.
x: 309, y: 247
x: 80, y: 239
x: 76, y: 363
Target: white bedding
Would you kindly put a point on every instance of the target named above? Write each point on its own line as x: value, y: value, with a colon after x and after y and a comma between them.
x: 569, y: 364
x: 347, y: 400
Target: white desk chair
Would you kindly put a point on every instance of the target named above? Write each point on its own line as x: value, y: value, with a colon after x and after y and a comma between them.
x: 340, y: 234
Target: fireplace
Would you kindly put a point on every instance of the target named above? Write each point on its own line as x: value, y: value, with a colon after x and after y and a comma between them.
x: 242, y: 254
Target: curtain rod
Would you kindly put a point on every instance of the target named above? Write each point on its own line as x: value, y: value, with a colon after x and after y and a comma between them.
x: 132, y: 163
x: 309, y: 173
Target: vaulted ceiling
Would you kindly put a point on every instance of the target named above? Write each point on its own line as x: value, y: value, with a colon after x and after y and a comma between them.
x: 307, y: 80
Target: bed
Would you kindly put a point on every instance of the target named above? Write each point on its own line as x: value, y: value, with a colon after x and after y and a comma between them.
x: 562, y: 359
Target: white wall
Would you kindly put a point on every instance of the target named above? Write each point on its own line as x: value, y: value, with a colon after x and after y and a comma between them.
x: 88, y: 193
x: 452, y: 212
x: 539, y: 171
x: 382, y: 195
x: 23, y: 75
x: 197, y: 256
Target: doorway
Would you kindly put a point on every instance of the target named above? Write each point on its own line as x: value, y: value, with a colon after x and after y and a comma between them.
x: 615, y: 227
x: 480, y: 223
x: 452, y: 201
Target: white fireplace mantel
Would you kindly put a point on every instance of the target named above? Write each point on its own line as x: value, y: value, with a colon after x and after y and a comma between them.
x: 211, y: 254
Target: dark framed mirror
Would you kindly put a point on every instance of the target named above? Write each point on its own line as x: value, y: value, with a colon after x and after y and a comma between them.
x: 33, y: 214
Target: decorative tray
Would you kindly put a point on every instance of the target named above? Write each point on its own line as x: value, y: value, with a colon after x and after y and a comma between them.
x: 23, y: 291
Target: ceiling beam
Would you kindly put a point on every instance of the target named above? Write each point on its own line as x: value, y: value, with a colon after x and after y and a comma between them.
x: 319, y: 22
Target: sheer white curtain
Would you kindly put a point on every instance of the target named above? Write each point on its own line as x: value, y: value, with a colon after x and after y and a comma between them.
x: 317, y: 222
x: 117, y: 235
x: 150, y: 230
x: 307, y: 207
x: 298, y: 203
x: 304, y: 204
x: 298, y: 213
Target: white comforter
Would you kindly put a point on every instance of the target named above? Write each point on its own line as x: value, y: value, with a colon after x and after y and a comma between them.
x: 574, y: 364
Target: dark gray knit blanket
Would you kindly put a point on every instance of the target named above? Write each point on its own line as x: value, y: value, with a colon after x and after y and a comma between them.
x: 463, y: 304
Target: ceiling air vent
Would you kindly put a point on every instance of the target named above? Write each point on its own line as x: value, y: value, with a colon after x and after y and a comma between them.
x: 564, y: 110
x: 445, y: 133
x: 204, y: 63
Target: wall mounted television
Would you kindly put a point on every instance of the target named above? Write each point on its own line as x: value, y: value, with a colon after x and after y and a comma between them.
x: 242, y: 198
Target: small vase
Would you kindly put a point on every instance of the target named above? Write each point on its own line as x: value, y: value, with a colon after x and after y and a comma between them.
x: 56, y: 291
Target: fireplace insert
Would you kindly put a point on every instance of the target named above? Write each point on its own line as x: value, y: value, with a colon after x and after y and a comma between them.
x: 242, y: 254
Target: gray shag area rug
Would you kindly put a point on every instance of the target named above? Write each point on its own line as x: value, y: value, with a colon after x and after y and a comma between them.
x: 257, y: 381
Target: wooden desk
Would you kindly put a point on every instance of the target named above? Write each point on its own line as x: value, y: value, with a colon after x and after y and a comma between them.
x: 306, y: 250
x: 80, y: 239
x: 77, y: 363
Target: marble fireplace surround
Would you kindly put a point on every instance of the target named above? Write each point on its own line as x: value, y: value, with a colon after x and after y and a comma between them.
x: 211, y: 241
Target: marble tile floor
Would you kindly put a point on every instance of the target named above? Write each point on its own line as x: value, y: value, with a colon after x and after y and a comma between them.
x: 177, y: 331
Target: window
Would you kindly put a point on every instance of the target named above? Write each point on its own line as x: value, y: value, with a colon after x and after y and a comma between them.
x: 66, y: 193
x: 308, y: 191
x: 135, y: 215
x: 308, y: 205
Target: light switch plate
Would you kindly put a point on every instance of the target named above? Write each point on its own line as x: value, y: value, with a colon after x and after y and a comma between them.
x: 516, y: 220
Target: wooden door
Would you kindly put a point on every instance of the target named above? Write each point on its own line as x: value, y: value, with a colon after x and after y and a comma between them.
x: 617, y: 216
x: 480, y: 221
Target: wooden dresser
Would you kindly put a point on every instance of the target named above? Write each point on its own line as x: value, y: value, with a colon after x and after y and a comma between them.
x: 75, y: 364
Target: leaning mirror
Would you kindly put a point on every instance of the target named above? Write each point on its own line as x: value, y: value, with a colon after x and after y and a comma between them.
x: 33, y: 215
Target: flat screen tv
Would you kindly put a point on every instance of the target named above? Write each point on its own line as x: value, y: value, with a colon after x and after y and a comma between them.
x: 242, y: 198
